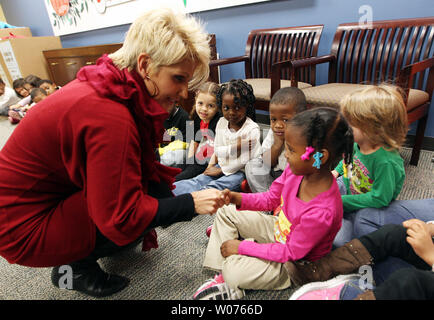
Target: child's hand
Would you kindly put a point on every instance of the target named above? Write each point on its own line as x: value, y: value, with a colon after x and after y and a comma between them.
x: 335, y: 174
x: 419, y: 237
x: 231, y: 197
x: 229, y: 248
x: 227, y: 196
x: 213, y: 171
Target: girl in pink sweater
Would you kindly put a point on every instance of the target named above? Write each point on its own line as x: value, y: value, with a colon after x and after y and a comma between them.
x: 250, y: 248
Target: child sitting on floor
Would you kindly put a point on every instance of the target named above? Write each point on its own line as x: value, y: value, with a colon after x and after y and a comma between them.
x: 8, y: 97
x: 237, y: 140
x: 262, y: 171
x: 20, y: 89
x: 36, y: 95
x: 378, y: 117
x: 250, y: 248
x: 30, y: 82
x: 48, y: 85
x: 205, y: 115
x: 172, y: 151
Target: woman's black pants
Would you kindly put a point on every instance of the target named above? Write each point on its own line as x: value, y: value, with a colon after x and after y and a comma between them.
x: 406, y: 283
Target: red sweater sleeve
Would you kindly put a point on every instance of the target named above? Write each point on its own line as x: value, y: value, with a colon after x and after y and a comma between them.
x: 109, y: 145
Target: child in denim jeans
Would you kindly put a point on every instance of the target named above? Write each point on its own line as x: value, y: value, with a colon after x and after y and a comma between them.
x: 237, y: 140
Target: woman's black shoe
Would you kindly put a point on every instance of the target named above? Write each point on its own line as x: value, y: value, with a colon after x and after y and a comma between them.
x: 87, y: 278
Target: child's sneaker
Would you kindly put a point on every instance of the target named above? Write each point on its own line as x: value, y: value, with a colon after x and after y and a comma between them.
x: 217, y: 289
x: 208, y: 231
x: 326, y: 290
x: 13, y: 120
x: 14, y: 117
x: 245, y: 186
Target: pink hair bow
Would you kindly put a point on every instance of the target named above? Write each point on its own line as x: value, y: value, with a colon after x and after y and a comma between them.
x: 306, y: 155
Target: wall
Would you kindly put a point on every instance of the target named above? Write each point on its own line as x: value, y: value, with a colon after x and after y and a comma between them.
x: 232, y: 25
x: 2, y: 16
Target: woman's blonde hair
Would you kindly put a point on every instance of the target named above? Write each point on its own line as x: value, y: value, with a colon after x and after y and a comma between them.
x: 168, y: 38
x: 379, y: 112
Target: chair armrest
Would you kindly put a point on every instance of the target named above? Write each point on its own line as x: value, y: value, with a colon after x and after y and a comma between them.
x: 294, y: 66
x: 223, y: 61
x: 405, y: 79
x: 312, y: 61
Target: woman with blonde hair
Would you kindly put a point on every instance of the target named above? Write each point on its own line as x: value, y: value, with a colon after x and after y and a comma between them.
x: 378, y: 118
x: 78, y: 177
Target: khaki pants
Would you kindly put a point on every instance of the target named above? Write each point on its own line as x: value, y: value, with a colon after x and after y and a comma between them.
x: 239, y: 271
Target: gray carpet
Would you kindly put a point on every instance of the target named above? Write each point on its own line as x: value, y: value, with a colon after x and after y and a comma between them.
x: 173, y: 271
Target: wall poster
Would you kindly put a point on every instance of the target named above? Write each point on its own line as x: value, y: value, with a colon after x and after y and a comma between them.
x: 72, y: 16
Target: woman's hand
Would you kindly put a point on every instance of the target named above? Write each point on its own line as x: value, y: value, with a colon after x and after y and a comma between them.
x: 229, y: 248
x: 419, y: 237
x: 208, y: 201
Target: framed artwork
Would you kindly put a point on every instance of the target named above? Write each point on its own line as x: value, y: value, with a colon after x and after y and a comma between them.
x: 72, y: 16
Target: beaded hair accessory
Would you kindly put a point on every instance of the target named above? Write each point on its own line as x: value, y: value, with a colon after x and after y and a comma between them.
x: 317, y: 156
x: 345, y: 168
x: 306, y: 156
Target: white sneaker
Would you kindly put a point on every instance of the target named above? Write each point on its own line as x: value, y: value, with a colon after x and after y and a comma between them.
x: 324, y: 290
x: 217, y: 289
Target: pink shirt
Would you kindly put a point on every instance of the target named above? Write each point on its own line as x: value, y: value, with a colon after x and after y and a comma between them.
x: 304, y: 230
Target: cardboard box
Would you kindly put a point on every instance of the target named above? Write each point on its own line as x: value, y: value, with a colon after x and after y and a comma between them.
x: 20, y: 57
x: 25, y: 32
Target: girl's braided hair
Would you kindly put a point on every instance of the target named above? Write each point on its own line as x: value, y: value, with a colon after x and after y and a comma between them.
x: 243, y: 95
x: 326, y: 128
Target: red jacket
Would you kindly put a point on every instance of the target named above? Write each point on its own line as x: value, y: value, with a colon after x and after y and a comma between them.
x: 78, y: 160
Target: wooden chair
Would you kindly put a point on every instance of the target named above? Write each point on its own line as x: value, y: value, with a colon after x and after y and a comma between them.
x: 265, y: 47
x: 396, y: 51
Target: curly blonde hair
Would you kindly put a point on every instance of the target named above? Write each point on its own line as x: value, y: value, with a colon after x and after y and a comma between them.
x: 380, y: 112
x: 168, y: 37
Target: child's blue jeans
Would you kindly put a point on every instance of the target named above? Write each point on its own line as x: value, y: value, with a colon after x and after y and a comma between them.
x: 202, y: 181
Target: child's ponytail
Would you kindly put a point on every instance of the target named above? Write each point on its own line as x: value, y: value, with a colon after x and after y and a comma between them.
x: 326, y: 128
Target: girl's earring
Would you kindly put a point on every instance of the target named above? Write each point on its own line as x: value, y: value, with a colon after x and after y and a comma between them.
x: 154, y: 85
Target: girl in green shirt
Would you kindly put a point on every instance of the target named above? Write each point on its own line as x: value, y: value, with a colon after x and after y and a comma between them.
x: 378, y: 117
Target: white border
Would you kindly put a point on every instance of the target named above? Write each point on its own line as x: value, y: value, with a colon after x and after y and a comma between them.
x: 107, y: 13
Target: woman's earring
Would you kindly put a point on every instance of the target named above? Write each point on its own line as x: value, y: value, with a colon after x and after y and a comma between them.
x: 155, y: 87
